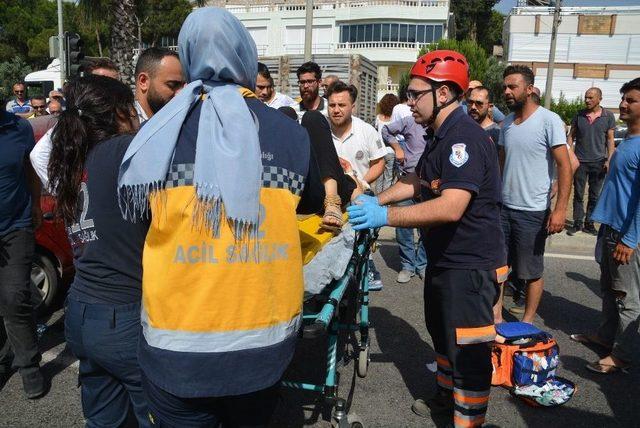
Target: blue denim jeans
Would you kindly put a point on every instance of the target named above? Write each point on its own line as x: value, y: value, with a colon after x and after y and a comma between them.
x: 412, y: 254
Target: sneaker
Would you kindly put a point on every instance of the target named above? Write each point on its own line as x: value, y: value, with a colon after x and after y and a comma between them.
x: 590, y: 229
x: 576, y: 228
x: 518, y: 306
x: 375, y: 285
x: 404, y: 276
x: 436, y: 406
x: 34, y: 384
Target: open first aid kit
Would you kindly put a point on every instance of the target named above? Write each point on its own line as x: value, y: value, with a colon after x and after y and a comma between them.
x: 526, y: 364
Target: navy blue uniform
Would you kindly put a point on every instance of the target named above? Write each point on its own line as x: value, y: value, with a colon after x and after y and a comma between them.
x: 102, y: 322
x: 465, y: 259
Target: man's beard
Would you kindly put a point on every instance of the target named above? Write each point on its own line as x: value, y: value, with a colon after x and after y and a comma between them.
x: 517, y: 105
x: 155, y: 101
x: 309, y: 96
x: 478, y: 117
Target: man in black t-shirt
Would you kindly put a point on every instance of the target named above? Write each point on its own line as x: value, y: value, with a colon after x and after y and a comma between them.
x: 592, y: 130
x: 459, y: 181
x: 479, y: 104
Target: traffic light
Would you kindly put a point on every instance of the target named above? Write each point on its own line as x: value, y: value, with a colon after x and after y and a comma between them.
x: 74, y: 56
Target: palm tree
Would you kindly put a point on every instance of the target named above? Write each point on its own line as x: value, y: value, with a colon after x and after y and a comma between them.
x: 124, y: 33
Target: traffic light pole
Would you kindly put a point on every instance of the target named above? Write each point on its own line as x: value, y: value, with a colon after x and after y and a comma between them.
x: 61, y: 55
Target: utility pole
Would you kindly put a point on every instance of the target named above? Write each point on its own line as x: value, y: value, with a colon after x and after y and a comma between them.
x: 552, y: 54
x: 61, y: 54
x: 308, y: 29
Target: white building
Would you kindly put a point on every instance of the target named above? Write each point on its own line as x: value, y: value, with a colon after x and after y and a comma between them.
x: 388, y: 32
x: 596, y: 46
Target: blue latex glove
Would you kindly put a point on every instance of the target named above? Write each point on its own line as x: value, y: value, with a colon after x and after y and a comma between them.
x: 367, y: 216
x: 366, y: 199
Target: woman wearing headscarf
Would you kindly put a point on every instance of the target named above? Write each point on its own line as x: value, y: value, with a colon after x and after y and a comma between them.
x: 102, y: 311
x: 220, y: 174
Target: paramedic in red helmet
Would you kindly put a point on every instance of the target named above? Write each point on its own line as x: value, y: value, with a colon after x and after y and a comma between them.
x: 458, y: 183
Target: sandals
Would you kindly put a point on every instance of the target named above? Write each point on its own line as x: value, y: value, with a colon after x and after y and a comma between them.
x: 588, y: 339
x: 600, y: 368
x: 332, y: 218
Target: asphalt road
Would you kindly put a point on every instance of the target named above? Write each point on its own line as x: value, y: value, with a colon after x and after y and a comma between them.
x: 401, y: 349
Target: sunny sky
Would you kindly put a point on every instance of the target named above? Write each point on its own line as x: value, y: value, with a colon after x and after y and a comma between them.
x: 505, y: 5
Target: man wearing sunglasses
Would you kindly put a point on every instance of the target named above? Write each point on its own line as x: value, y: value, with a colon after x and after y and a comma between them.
x: 39, y: 106
x: 20, y: 105
x: 458, y: 179
x: 478, y: 106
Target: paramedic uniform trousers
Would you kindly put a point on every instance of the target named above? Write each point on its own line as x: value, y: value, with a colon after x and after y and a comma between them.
x: 459, y: 317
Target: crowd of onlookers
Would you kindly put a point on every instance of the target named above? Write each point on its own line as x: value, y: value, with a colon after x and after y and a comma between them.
x: 172, y: 146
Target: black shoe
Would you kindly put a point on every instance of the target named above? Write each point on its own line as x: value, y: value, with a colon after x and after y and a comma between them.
x: 34, y: 383
x: 577, y: 227
x: 590, y: 229
x: 440, y: 405
x: 518, y: 306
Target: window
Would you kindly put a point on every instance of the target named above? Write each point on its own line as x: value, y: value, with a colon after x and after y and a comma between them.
x: 429, y: 37
x: 403, y: 32
x: 368, y: 33
x: 385, y: 33
x: 390, y: 32
x: 360, y: 37
x: 344, y: 33
x: 420, y: 35
x: 438, y: 33
x: 394, y: 33
x: 411, y: 38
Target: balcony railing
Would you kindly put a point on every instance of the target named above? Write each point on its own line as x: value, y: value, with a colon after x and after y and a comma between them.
x: 380, y: 45
x: 262, y: 49
x: 593, y: 10
x: 388, y: 87
x: 261, y: 6
x: 316, y: 48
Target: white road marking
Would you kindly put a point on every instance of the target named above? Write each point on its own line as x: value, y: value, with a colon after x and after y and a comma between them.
x: 569, y: 256
x: 66, y: 357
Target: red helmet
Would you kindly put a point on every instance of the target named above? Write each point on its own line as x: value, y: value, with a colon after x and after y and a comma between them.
x: 442, y: 66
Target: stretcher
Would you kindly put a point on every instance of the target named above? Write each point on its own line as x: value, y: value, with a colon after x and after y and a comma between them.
x: 340, y: 307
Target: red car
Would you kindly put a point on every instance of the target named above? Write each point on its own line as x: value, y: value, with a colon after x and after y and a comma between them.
x: 52, y: 268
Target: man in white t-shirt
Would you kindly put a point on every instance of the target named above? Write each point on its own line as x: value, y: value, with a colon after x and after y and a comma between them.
x: 266, y: 92
x: 355, y: 140
x: 357, y: 143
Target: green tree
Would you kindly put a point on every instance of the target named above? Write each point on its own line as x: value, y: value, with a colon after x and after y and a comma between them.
x: 566, y: 109
x: 124, y: 29
x: 493, y: 81
x: 475, y: 20
x: 11, y: 72
x: 475, y: 54
x: 161, y: 18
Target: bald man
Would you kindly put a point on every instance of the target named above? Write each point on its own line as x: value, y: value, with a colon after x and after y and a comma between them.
x: 591, y: 137
x: 328, y: 80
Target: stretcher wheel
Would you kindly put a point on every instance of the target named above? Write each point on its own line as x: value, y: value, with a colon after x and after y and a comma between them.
x: 349, y: 421
x: 363, y: 362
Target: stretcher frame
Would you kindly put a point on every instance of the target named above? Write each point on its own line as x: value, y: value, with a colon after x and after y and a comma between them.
x: 355, y: 281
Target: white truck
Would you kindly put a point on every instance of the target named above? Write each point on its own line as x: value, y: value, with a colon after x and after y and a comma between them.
x: 43, y: 81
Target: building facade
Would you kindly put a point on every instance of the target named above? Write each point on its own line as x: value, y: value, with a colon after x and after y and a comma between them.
x: 389, y: 33
x: 596, y: 46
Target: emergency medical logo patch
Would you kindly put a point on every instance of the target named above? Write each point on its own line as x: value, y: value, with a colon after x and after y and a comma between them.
x: 459, y: 155
x: 359, y: 154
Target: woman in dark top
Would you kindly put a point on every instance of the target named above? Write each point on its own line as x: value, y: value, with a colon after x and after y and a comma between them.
x: 102, y: 322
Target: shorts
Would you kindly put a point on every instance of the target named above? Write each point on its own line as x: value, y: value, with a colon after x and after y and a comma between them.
x: 525, y: 235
